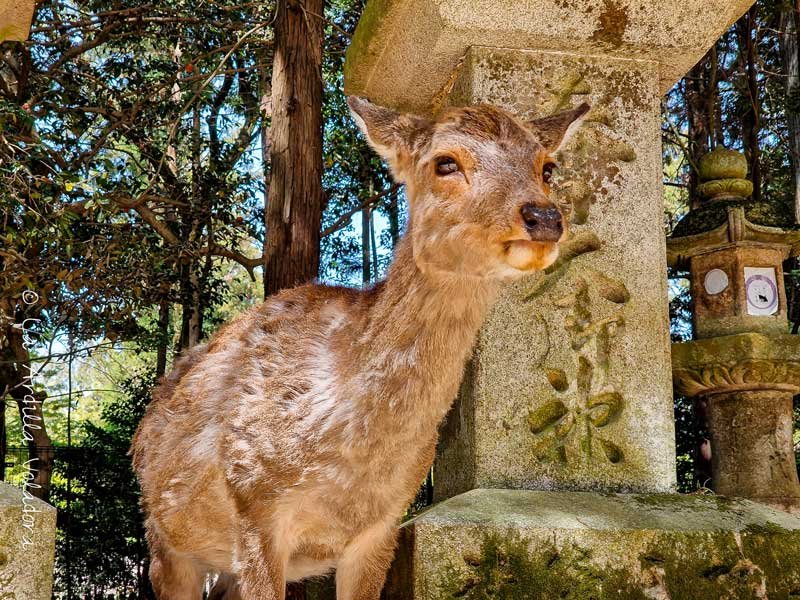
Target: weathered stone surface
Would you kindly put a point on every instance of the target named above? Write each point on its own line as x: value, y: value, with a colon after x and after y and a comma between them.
x: 726, y: 313
x: 15, y: 19
x: 752, y: 450
x: 722, y: 163
x: 748, y: 361
x: 748, y: 382
x: 403, y: 51
x: 570, y: 383
x: 544, y: 545
x: 27, y: 546
x: 725, y: 188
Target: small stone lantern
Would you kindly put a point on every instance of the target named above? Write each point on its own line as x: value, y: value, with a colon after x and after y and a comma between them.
x: 735, y: 264
x: 743, y: 362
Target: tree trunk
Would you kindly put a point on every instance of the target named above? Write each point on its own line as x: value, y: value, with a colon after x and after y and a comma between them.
x: 294, y: 208
x: 163, y: 340
x: 751, y: 125
x: 373, y: 245
x: 192, y: 313
x: 17, y: 380
x: 701, y: 101
x: 366, y: 271
x: 394, y: 219
x: 293, y: 213
x: 790, y: 50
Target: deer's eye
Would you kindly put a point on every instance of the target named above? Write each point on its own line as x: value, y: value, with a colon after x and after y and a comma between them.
x: 547, y: 172
x: 446, y: 165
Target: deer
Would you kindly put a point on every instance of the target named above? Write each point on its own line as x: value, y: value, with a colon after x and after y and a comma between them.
x: 290, y: 444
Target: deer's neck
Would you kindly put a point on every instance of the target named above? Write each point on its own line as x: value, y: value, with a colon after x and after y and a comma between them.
x: 414, y: 336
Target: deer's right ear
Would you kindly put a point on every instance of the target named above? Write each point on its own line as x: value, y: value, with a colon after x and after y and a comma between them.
x: 396, y: 137
x: 555, y: 131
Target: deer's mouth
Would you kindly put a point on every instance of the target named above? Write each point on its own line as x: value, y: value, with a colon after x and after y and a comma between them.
x: 530, y: 255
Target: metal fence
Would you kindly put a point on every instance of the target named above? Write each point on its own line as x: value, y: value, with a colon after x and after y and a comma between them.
x: 100, y: 549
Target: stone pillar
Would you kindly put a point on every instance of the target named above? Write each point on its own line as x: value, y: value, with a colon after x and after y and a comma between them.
x: 748, y: 382
x: 551, y: 401
x: 570, y: 385
x: 15, y: 19
x: 27, y: 545
x: 751, y: 437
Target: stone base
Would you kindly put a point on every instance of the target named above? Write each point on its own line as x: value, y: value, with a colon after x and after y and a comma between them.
x: 27, y: 546
x: 578, y: 545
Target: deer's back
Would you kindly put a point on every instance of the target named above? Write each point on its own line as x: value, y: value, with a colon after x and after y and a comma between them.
x: 233, y: 410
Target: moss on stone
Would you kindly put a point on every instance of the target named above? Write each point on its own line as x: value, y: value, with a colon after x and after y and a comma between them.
x: 722, y: 163
x: 767, y: 528
x: 715, y: 214
x: 503, y: 544
x: 365, y: 35
x: 507, y: 569
x: 696, y: 565
x: 670, y: 501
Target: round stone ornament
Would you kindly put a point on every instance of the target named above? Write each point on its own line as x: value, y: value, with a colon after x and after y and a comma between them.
x: 722, y: 163
x: 715, y: 282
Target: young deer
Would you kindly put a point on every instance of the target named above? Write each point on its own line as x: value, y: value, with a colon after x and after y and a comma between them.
x: 291, y: 443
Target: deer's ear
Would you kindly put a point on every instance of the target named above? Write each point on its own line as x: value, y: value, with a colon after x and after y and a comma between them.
x: 554, y: 131
x: 393, y: 135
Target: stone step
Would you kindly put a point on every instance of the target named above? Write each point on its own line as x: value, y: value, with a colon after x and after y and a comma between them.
x: 580, y: 545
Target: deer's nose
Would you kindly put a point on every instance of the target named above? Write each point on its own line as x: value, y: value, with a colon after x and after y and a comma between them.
x: 543, y: 224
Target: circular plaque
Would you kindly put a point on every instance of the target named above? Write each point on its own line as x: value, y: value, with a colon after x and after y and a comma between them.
x: 762, y: 293
x: 715, y: 282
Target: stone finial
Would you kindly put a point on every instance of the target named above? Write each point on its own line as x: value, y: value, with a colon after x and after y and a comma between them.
x: 724, y: 173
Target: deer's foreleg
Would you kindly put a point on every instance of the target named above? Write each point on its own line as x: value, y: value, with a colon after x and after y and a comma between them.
x: 362, y: 569
x: 262, y: 570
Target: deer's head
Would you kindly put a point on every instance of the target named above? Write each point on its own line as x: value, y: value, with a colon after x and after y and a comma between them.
x: 478, y: 183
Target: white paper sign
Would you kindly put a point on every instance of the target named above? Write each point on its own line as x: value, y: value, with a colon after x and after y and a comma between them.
x: 761, y: 290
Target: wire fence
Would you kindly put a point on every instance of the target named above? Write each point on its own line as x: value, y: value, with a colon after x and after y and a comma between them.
x: 15, y: 467
x: 100, y: 547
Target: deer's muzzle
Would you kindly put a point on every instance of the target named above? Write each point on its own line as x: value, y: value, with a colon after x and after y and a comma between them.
x: 542, y: 224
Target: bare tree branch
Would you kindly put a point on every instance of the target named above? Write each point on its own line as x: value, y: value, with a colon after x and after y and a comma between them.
x: 342, y: 220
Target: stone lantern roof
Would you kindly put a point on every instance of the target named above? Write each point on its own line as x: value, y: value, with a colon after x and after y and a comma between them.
x: 728, y: 215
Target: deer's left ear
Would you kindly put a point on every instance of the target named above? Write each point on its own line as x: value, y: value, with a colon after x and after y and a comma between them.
x: 396, y: 137
x: 554, y: 131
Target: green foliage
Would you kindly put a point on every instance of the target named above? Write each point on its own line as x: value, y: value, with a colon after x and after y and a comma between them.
x: 353, y: 172
x: 100, y: 546
x: 133, y: 170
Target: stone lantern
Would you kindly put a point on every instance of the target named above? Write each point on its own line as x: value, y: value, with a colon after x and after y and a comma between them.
x: 742, y: 363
